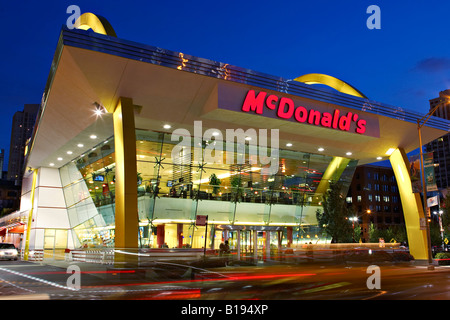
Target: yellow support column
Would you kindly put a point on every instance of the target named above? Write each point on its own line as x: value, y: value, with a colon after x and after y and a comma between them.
x: 332, y: 173
x: 412, y: 206
x: 30, y: 216
x: 126, y: 212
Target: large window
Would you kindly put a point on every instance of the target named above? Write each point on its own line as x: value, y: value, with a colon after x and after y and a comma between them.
x: 174, y: 187
x: 89, y: 189
x: 177, y: 190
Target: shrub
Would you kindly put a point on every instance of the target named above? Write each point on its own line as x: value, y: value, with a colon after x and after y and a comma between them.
x: 445, y: 258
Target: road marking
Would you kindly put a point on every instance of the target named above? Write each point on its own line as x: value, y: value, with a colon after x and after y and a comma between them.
x: 375, y: 296
x: 40, y: 296
x: 54, y: 284
x: 13, y: 284
x: 326, y: 287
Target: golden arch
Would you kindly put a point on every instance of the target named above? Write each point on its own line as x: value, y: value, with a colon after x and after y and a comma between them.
x: 337, y: 84
x: 98, y: 24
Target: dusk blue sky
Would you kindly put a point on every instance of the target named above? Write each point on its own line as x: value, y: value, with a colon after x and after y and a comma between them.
x: 405, y: 63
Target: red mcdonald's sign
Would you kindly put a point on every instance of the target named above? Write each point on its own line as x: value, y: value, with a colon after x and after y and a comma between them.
x: 286, y: 108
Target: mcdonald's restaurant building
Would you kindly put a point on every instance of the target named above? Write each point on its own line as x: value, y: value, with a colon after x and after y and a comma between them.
x: 114, y: 158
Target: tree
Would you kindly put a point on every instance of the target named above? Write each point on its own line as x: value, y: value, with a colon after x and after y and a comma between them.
x: 373, y: 237
x: 435, y: 235
x: 237, y: 189
x: 357, y: 233
x: 397, y: 233
x: 215, y: 182
x: 334, y: 218
x: 446, y: 214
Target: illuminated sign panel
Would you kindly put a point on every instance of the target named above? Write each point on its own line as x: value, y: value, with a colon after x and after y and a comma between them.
x: 299, y: 110
x: 286, y: 109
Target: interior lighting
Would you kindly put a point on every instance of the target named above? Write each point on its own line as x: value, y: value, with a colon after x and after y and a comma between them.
x: 288, y: 144
x: 80, y: 145
x: 390, y: 151
x: 379, y: 158
x: 93, y: 136
x: 99, y: 109
x: 349, y: 153
x: 320, y: 149
x: 167, y: 126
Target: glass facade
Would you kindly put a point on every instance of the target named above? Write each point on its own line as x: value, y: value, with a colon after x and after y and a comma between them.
x: 173, y: 192
x: 89, y: 188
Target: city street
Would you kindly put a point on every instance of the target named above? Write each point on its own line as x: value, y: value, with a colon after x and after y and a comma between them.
x: 180, y: 281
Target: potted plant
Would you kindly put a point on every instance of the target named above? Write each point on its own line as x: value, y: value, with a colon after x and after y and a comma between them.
x: 237, y: 190
x: 215, y: 182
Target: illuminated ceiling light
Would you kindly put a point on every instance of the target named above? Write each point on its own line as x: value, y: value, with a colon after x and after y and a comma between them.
x: 59, y: 159
x: 80, y: 145
x: 51, y: 164
x: 379, y: 158
x: 288, y: 144
x: 99, y: 109
x: 93, y: 136
x: 320, y: 149
x: 349, y: 153
x: 69, y: 152
x: 390, y: 151
x: 215, y: 133
x: 248, y: 138
x: 167, y: 126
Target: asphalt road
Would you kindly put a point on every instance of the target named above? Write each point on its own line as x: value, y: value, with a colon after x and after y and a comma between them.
x: 177, y: 281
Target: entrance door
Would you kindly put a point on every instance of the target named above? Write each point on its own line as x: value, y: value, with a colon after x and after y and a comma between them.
x: 246, y: 243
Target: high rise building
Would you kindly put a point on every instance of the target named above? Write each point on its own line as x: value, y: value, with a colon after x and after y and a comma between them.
x: 441, y: 146
x: 22, y: 129
x: 375, y: 198
x: 2, y: 161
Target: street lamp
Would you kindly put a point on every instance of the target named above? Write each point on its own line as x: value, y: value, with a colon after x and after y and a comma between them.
x: 419, y: 127
x: 441, y: 229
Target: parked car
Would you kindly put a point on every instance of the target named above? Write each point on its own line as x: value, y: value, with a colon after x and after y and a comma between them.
x: 8, y: 251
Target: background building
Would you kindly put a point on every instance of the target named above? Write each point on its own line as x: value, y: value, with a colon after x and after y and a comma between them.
x: 375, y: 197
x: 22, y: 129
x: 9, y: 196
x: 2, y: 161
x: 441, y: 146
